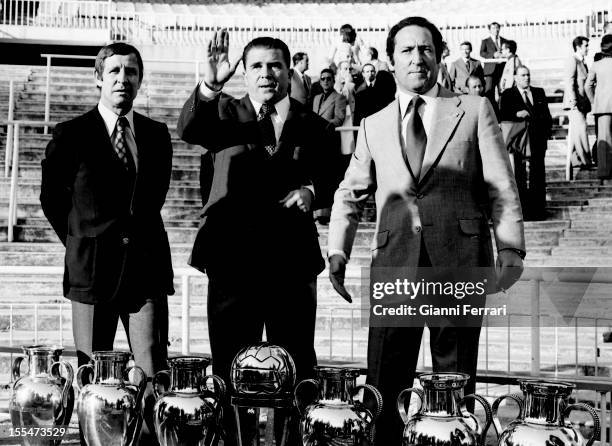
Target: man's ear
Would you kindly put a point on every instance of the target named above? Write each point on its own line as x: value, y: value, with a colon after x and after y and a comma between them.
x: 98, y: 79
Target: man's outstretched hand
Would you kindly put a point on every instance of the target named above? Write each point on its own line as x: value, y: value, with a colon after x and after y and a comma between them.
x: 337, y: 270
x: 509, y: 267
x: 217, y: 69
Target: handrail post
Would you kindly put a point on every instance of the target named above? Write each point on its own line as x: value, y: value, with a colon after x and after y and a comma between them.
x: 8, y: 150
x: 185, y: 315
x: 535, y: 327
x: 12, y: 217
x: 48, y: 93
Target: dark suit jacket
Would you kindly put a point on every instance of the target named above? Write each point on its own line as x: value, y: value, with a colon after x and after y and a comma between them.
x: 459, y: 73
x: 511, y: 102
x: 487, y: 51
x: 109, y: 220
x: 243, y: 225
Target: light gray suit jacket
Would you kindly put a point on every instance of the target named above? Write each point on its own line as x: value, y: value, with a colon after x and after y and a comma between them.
x: 333, y: 109
x: 598, y: 86
x: 575, y: 77
x: 466, y: 179
x: 300, y: 90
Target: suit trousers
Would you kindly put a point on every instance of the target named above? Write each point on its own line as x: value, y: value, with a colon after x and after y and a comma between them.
x: 94, y: 328
x: 530, y: 175
x: 577, y: 138
x: 604, y: 146
x: 240, y: 306
x: 392, y: 359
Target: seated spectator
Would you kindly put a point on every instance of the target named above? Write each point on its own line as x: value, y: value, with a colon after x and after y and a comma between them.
x: 463, y: 67
x: 371, y: 56
x: 443, y: 76
x: 512, y: 63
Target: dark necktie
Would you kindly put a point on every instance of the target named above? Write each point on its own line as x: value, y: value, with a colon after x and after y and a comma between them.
x: 467, y: 65
x: 121, y: 146
x: 416, y: 138
x: 264, y: 118
x: 528, y: 102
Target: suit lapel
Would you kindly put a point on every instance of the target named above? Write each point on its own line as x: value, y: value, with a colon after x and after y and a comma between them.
x: 245, y: 112
x: 447, y: 115
x: 328, y: 102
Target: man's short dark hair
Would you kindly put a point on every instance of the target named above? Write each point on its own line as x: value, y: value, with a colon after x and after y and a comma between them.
x: 579, y: 41
x: 373, y: 52
x: 511, y: 44
x: 474, y: 77
x: 270, y: 43
x: 328, y: 71
x: 298, y: 57
x: 466, y: 43
x: 492, y: 24
x: 415, y: 21
x: 122, y: 49
x: 522, y: 67
x: 368, y: 65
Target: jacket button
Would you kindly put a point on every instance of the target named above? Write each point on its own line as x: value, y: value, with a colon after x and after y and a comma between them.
x: 125, y: 240
x: 418, y: 228
x: 420, y: 196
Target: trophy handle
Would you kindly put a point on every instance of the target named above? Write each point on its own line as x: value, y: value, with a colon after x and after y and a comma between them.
x: 16, y: 368
x: 403, y: 402
x: 302, y: 401
x: 517, y: 397
x: 161, y: 379
x: 377, y: 405
x: 133, y: 429
x: 488, y: 415
x: 219, y: 389
x: 56, y: 371
x: 594, y: 415
x: 140, y: 385
x: 81, y: 374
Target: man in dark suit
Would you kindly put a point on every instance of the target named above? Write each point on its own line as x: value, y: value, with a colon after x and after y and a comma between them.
x: 463, y: 68
x: 438, y: 168
x: 366, y: 95
x: 526, y: 103
x: 490, y: 48
x: 104, y: 181
x: 301, y: 84
x: 257, y: 241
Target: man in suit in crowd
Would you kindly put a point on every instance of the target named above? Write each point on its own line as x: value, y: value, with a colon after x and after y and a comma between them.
x: 105, y: 176
x: 475, y: 85
x: 331, y: 106
x: 437, y: 164
x: 512, y: 63
x: 490, y: 48
x: 366, y: 95
x: 301, y: 83
x: 526, y: 103
x: 257, y: 241
x: 444, y: 78
x: 577, y: 104
x: 598, y: 88
x: 463, y: 68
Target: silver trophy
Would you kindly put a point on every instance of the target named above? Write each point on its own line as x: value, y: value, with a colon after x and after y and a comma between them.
x: 110, y: 403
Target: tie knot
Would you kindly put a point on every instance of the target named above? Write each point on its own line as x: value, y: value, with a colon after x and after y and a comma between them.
x: 122, y: 123
x: 416, y: 102
x: 265, y: 110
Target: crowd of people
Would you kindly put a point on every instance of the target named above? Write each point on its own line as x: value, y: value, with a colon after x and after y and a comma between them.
x: 429, y: 148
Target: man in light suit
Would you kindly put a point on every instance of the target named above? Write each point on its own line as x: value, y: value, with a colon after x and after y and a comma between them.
x: 490, y: 48
x: 598, y: 88
x: 463, y: 68
x: 331, y: 106
x: 261, y: 271
x: 105, y: 176
x: 577, y: 104
x: 301, y: 84
x: 439, y: 170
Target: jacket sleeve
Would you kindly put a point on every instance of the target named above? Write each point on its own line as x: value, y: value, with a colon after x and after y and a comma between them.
x: 339, y: 112
x: 570, y: 74
x: 589, y: 85
x: 58, y: 172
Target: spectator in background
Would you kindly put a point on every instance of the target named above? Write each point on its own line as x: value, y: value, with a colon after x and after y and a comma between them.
x: 490, y: 48
x: 598, y: 88
x: 331, y: 106
x: 371, y: 56
x: 524, y: 103
x: 366, y: 97
x: 577, y: 104
x: 463, y: 67
x: 475, y: 85
x: 512, y: 63
x: 301, y: 84
x: 348, y: 49
x: 345, y: 85
x: 444, y: 78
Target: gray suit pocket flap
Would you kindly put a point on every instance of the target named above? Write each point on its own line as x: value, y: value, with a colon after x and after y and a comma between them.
x: 470, y: 226
x: 382, y: 238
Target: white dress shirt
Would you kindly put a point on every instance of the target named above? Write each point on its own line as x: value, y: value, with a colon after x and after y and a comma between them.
x: 529, y: 95
x: 110, y: 120
x: 426, y: 110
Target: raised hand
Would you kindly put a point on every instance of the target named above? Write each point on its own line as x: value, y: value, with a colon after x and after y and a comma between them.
x: 217, y: 69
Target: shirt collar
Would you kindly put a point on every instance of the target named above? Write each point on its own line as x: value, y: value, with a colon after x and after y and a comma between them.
x: 523, y: 90
x: 110, y: 118
x: 281, y: 107
x: 406, y: 97
x: 579, y: 58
